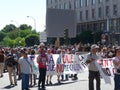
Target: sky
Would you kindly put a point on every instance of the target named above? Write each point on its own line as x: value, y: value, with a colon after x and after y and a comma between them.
x: 16, y: 12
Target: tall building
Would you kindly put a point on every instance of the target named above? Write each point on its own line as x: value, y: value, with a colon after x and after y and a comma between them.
x: 93, y: 14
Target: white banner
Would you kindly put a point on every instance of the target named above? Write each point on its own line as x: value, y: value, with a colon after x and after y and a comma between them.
x: 71, y: 63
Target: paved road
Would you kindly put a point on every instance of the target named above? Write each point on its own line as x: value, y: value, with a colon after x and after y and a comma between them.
x: 80, y: 84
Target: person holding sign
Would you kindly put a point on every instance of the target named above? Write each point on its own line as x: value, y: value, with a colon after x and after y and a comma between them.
x: 116, y: 62
x: 93, y: 70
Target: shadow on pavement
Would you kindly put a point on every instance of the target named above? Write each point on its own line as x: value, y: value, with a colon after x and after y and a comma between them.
x: 9, y: 87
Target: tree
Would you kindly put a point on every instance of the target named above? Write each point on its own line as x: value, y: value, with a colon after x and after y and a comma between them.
x: 9, y: 28
x: 20, y: 41
x: 86, y: 36
x: 13, y: 34
x: 32, y: 40
x: 24, y: 27
x: 2, y: 35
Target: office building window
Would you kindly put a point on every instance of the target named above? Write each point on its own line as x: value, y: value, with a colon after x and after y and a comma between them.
x: 86, y: 2
x: 107, y: 10
x: 75, y: 4
x: 114, y: 9
x: 86, y: 14
x: 107, y: 0
x: 51, y: 1
x: 47, y: 2
x: 99, y: 1
x: 93, y: 2
x: 81, y: 3
x: 81, y: 15
x: 99, y: 12
x: 93, y: 13
x: 55, y: 1
x: 70, y: 6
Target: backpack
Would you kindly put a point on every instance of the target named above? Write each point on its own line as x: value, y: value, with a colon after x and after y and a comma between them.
x: 11, y: 62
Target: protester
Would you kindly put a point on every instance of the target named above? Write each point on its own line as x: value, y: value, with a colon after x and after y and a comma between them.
x: 33, y: 75
x: 64, y: 76
x: 42, y: 59
x: 25, y: 70
x: 93, y: 70
x: 49, y: 77
x: 59, y: 62
x: 11, y: 67
x: 116, y: 62
x: 1, y: 63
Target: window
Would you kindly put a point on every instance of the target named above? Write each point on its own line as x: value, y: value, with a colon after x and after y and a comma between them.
x: 93, y: 13
x: 114, y: 9
x: 86, y: 2
x: 99, y: 12
x: 99, y: 1
x: 93, y: 2
x: 86, y: 14
x: 81, y: 3
x: 55, y: 1
x: 81, y: 15
x: 107, y: 10
x: 75, y: 4
x: 65, y: 6
x: 107, y: 0
x: 70, y: 6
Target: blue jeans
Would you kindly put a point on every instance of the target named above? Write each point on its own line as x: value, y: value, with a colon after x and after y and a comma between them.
x: 117, y: 82
x: 25, y: 81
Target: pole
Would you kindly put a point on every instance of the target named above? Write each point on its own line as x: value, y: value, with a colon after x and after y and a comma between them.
x: 34, y: 21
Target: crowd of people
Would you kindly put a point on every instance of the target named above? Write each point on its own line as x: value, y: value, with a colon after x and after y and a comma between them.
x: 18, y: 65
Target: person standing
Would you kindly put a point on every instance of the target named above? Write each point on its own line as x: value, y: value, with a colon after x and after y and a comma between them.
x: 42, y: 60
x: 25, y: 70
x: 1, y: 63
x: 11, y: 67
x: 33, y: 75
x: 93, y: 70
x: 116, y: 62
x: 49, y: 77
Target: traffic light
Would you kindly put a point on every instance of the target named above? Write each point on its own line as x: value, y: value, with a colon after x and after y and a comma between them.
x: 65, y: 33
x: 66, y: 36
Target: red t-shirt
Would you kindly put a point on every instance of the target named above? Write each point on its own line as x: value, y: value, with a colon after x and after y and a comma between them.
x: 42, y: 61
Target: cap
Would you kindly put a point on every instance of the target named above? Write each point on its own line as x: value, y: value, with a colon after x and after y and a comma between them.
x: 117, y: 48
x: 42, y: 44
x: 94, y: 46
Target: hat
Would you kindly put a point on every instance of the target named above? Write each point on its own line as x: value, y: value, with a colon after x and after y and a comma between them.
x: 94, y: 46
x: 117, y: 49
x: 42, y: 44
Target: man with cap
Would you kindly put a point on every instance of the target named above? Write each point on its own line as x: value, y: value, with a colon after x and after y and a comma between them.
x: 93, y: 70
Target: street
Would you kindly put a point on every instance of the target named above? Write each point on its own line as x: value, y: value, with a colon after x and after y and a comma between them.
x: 80, y: 84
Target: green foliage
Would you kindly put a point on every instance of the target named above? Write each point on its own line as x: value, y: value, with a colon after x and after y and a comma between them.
x: 32, y: 40
x: 86, y: 36
x: 2, y: 35
x: 24, y: 27
x: 13, y: 34
x: 9, y: 28
x: 14, y: 37
x: 8, y: 42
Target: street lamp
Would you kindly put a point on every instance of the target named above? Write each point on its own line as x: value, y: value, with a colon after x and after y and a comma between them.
x: 33, y: 20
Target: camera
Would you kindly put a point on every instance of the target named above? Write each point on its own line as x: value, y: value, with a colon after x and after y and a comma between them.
x: 118, y: 70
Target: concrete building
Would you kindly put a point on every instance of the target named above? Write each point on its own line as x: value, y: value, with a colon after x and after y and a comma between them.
x: 93, y: 15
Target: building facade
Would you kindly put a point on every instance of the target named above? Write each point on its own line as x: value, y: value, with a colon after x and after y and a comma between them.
x: 93, y: 14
